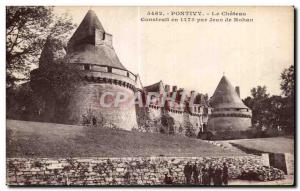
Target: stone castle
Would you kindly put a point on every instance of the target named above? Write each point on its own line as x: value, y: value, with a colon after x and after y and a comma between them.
x: 90, y: 50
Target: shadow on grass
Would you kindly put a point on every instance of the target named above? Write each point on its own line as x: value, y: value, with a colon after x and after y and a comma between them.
x: 248, y: 150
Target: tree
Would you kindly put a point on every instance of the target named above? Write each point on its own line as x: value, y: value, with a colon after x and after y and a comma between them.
x: 288, y: 91
x: 189, y: 129
x: 260, y: 92
x: 27, y: 28
x: 168, y: 124
x: 27, y: 31
x: 19, y: 106
x: 287, y: 84
x: 274, y: 112
x: 266, y: 110
x: 53, y: 87
x: 258, y: 105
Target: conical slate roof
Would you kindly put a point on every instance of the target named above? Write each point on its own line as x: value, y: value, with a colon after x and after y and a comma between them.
x: 83, y: 46
x: 86, y: 28
x: 225, y: 96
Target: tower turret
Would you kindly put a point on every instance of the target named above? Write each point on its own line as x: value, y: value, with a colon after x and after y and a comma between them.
x: 230, y: 115
x: 90, y: 50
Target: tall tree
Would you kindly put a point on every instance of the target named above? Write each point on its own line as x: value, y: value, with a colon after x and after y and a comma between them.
x: 27, y: 28
x: 53, y: 87
x: 288, y: 84
x: 275, y: 112
x: 288, y: 90
x: 258, y: 103
x: 260, y: 92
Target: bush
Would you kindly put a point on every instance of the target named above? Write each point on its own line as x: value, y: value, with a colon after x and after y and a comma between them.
x: 261, y: 173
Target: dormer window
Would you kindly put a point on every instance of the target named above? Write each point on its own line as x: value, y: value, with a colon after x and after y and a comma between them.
x: 87, y: 67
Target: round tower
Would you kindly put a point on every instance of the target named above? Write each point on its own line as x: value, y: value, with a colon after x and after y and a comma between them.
x: 90, y: 50
x: 229, y: 115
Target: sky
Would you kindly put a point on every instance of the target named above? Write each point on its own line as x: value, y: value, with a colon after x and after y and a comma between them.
x: 194, y: 56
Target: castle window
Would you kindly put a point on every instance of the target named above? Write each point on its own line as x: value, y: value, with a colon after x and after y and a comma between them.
x: 87, y: 67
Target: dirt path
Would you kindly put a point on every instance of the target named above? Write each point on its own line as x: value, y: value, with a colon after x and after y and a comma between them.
x: 287, y: 181
x: 225, y: 145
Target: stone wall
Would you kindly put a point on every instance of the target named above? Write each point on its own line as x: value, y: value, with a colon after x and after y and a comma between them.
x: 178, y: 122
x: 113, y: 171
x: 196, y: 121
x: 86, y: 101
x: 154, y: 115
x: 282, y: 161
x: 229, y: 127
x: 290, y: 163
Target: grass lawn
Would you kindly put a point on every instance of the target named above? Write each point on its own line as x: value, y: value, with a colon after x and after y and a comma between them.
x: 34, y: 139
x: 272, y: 145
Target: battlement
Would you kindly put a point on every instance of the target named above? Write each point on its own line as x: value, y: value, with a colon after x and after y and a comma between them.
x: 178, y: 111
x: 176, y: 98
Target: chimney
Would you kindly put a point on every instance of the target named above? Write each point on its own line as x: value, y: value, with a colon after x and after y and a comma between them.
x: 108, y: 39
x: 174, y: 88
x: 237, y: 89
x: 192, y: 93
x: 167, y: 88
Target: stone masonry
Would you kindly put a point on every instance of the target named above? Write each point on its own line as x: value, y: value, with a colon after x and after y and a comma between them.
x: 113, y: 171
